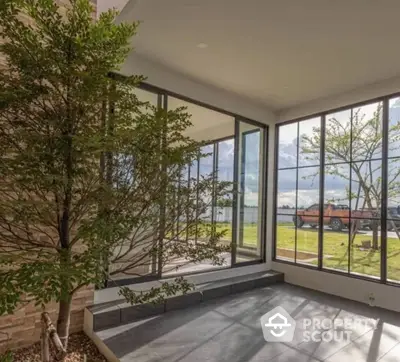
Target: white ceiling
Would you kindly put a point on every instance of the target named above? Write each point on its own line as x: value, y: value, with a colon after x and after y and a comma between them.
x: 279, y: 53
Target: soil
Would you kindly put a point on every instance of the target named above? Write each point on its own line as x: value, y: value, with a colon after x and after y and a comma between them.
x: 79, y: 344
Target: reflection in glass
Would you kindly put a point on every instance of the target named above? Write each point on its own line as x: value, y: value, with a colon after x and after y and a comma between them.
x: 249, y: 213
x: 224, y: 207
x: 309, y: 138
x: 206, y: 123
x: 206, y: 165
x: 287, y: 152
x: 146, y: 96
x: 182, y: 202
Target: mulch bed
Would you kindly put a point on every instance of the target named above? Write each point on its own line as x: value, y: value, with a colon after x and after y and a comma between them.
x: 79, y: 344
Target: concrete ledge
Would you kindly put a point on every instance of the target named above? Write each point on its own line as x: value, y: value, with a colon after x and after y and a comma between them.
x: 106, y: 319
x: 111, y: 295
x: 130, y: 313
x: 183, y: 301
x: 242, y: 286
x: 115, y: 313
x: 216, y: 292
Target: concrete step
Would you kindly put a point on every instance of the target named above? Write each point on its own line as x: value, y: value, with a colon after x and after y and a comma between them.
x: 118, y: 312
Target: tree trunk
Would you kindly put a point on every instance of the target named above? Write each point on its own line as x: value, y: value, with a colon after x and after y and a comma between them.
x: 374, y: 226
x: 63, y: 321
x: 50, y: 332
x: 44, y: 339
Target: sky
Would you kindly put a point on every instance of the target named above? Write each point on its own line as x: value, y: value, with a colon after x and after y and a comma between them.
x: 308, y: 178
x: 225, y: 165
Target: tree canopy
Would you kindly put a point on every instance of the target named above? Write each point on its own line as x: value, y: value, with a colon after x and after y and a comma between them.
x: 89, y: 173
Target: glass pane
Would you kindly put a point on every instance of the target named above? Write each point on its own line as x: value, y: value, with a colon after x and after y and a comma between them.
x: 394, y: 127
x: 366, y: 189
x: 337, y: 185
x: 307, y: 216
x: 287, y: 152
x: 393, y: 250
x: 393, y: 222
x: 286, y: 197
x: 285, y: 238
x: 206, y: 172
x: 250, y: 195
x: 337, y: 137
x: 224, y: 207
x: 366, y: 142
x: 310, y: 142
x: 182, y: 199
x: 365, y: 241
x: 307, y: 243
x: 336, y: 242
x: 336, y: 217
x: 123, y: 177
x: 393, y: 201
x: 308, y: 193
x: 207, y: 125
x: 146, y: 96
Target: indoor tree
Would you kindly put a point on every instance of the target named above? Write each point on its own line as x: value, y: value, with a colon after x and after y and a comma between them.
x: 90, y: 176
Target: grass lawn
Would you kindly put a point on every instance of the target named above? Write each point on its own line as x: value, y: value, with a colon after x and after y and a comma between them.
x: 336, y: 253
x: 249, y: 233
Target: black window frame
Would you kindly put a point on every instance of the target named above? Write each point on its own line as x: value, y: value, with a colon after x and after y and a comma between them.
x: 163, y: 95
x: 384, y: 100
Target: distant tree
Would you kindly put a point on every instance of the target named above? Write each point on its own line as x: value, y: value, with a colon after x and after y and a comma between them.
x: 89, y: 173
x: 357, y: 139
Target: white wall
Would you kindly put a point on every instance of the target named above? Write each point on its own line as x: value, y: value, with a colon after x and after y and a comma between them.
x: 165, y: 78
x: 104, y: 5
x: 351, y: 288
x: 385, y: 296
x: 362, y: 94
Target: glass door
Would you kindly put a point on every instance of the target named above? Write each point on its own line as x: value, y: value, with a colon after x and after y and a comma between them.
x: 249, y: 200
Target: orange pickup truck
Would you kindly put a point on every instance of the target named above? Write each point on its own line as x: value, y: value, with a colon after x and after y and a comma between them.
x: 336, y: 216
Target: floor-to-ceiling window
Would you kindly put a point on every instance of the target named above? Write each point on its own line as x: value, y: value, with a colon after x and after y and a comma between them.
x: 249, y: 232
x: 123, y: 262
x: 393, y: 191
x: 337, y: 191
x: 233, y: 152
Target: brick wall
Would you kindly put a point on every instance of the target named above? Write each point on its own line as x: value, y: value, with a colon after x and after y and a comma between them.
x: 23, y: 327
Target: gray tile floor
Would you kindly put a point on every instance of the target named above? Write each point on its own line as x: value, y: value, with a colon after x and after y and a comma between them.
x: 229, y: 329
